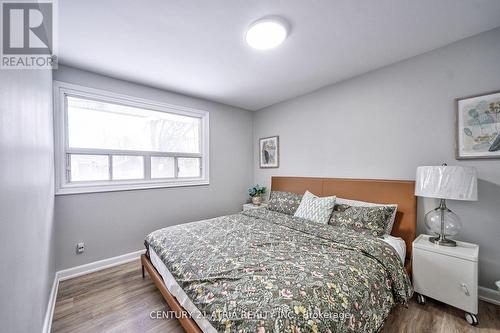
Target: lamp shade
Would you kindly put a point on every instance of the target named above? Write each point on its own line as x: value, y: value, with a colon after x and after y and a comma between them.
x: 446, y: 182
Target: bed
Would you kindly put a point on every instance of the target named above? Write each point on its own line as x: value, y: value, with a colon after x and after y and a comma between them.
x: 260, y: 270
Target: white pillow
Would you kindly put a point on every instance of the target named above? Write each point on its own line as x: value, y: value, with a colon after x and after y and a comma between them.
x: 314, y: 208
x: 356, y: 203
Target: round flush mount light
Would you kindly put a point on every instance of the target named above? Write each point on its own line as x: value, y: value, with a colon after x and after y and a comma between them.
x: 267, y: 33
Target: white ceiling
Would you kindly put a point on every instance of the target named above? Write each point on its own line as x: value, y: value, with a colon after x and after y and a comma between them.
x: 197, y: 47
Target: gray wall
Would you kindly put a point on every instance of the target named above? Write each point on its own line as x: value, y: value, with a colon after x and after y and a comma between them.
x: 386, y: 123
x: 115, y: 223
x: 26, y: 198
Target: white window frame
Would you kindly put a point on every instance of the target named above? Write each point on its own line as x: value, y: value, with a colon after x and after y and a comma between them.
x: 62, y: 150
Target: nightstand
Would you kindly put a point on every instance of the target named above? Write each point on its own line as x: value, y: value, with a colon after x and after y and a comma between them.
x: 248, y: 206
x: 447, y: 274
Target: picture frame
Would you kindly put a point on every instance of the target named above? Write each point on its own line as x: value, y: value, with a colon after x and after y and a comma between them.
x: 478, y: 126
x: 269, y: 152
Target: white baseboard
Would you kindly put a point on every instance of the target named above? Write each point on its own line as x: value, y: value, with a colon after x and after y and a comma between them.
x: 47, y: 323
x: 73, y: 272
x: 95, y: 266
x: 489, y: 295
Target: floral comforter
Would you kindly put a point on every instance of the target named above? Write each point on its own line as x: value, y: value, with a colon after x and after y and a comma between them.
x: 262, y: 271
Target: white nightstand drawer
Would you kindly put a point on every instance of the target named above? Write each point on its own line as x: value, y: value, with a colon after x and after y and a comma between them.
x: 448, y: 279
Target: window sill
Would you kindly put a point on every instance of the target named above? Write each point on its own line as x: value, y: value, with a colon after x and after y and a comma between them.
x: 126, y: 187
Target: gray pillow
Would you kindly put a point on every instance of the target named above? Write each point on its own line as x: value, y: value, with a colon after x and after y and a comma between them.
x: 357, y: 203
x: 284, y: 202
x: 366, y: 220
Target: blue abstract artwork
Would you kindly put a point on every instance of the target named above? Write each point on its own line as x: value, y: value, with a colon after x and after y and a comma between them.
x: 479, y: 127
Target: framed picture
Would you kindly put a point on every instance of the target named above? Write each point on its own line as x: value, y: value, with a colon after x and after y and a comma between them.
x: 269, y: 151
x: 478, y: 126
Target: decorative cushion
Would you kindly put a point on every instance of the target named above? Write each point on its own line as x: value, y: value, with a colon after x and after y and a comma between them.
x: 366, y: 220
x: 357, y: 203
x: 314, y: 208
x: 284, y: 202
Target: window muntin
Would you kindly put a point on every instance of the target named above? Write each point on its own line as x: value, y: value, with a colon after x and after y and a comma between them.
x: 108, y: 142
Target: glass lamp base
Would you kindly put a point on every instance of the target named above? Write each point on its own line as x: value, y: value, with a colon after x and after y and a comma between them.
x: 442, y: 241
x: 442, y: 222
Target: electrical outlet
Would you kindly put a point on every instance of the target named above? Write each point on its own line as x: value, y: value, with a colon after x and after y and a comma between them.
x: 80, y: 248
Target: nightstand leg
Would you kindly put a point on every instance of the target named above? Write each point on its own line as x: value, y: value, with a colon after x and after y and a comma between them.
x: 420, y: 299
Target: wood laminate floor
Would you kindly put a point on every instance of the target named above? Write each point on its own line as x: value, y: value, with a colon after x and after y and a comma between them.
x: 118, y: 299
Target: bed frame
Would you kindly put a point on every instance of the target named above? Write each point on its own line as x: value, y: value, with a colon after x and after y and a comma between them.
x: 400, y: 192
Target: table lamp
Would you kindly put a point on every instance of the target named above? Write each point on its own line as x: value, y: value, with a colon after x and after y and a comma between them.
x: 445, y: 182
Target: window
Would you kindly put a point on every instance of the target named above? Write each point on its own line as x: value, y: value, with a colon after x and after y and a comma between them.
x: 109, y: 142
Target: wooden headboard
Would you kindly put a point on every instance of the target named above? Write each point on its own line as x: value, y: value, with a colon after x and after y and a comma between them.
x: 400, y: 192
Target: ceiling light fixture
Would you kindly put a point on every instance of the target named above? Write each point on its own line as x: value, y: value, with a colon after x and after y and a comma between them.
x: 267, y: 33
